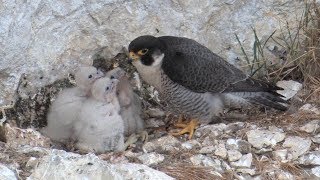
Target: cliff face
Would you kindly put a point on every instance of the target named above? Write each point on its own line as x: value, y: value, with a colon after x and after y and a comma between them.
x: 44, y: 40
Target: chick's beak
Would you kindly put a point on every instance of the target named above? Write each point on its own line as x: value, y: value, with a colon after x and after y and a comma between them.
x: 133, y: 57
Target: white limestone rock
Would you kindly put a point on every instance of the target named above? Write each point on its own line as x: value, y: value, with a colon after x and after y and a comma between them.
x: 207, y: 150
x: 234, y: 155
x: 316, y: 171
x: 264, y: 138
x: 311, y: 127
x: 60, y: 164
x: 311, y: 158
x: 50, y: 38
x: 166, y: 143
x: 151, y: 158
x: 244, y: 162
x: 297, y: 145
x: 221, y: 151
x: 202, y: 160
x: 280, y: 155
x: 290, y: 87
x: 6, y: 173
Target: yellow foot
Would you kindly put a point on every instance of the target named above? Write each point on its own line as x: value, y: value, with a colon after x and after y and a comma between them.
x: 188, y: 128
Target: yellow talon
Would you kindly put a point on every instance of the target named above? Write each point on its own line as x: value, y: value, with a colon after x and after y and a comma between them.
x: 188, y: 128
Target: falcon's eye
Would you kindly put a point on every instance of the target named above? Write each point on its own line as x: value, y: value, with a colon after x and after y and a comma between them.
x: 107, y: 88
x: 143, y: 51
x: 90, y: 76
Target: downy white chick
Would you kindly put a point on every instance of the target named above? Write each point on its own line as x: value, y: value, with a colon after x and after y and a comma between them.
x: 100, y: 127
x: 130, y: 104
x: 64, y: 111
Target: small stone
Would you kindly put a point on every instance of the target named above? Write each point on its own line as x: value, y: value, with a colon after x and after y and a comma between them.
x: 232, y: 144
x: 59, y: 164
x: 151, y: 158
x: 166, y: 143
x: 244, y: 162
x: 316, y: 171
x: 311, y: 127
x: 209, y: 141
x: 264, y: 138
x: 221, y: 151
x: 32, y: 162
x: 283, y: 175
x: 280, y: 155
x: 207, y: 150
x: 234, y: 155
x: 238, y: 144
x: 310, y: 108
x: 153, y: 122
x: 263, y: 150
x: 251, y: 172
x: 188, y: 145
x: 234, y: 127
x: 6, y: 173
x: 155, y: 112
x: 311, y: 158
x: 203, y: 160
x: 290, y: 88
x: 225, y: 165
x: 213, y: 130
x: 316, y: 139
x: 275, y: 129
x: 297, y: 145
x: 244, y: 146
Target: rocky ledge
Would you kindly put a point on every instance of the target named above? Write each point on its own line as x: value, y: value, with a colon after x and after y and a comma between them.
x: 271, y: 145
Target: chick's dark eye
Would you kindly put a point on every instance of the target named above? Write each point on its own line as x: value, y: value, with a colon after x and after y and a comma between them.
x: 107, y: 88
x: 90, y: 76
x: 111, y: 77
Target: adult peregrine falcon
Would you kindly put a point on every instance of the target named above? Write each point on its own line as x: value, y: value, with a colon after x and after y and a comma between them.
x: 194, y: 81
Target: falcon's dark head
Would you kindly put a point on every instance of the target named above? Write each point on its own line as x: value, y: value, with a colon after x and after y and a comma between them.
x: 146, y: 49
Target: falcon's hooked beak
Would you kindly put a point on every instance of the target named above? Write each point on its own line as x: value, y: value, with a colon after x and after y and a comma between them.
x: 133, y: 57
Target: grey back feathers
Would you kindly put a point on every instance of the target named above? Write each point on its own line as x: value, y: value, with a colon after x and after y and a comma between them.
x: 200, y: 70
x: 64, y: 111
x: 130, y: 103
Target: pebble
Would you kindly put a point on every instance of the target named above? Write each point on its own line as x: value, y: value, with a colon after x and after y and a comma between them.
x: 188, y: 145
x: 151, y: 158
x: 244, y: 162
x: 264, y: 138
x: 6, y: 173
x: 234, y: 155
x: 166, y: 143
x: 311, y: 127
x: 203, y: 160
x: 311, y: 158
x: 297, y: 145
x: 280, y: 155
x: 316, y: 171
x: 221, y: 151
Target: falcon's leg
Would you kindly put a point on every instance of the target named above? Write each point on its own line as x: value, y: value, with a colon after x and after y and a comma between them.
x: 188, y: 127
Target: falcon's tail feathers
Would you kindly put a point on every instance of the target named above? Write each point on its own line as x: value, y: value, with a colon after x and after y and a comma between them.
x: 268, y: 99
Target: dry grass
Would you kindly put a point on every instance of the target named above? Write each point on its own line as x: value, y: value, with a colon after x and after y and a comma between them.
x: 294, y: 169
x: 303, y: 52
x: 183, y: 172
x: 299, y: 57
